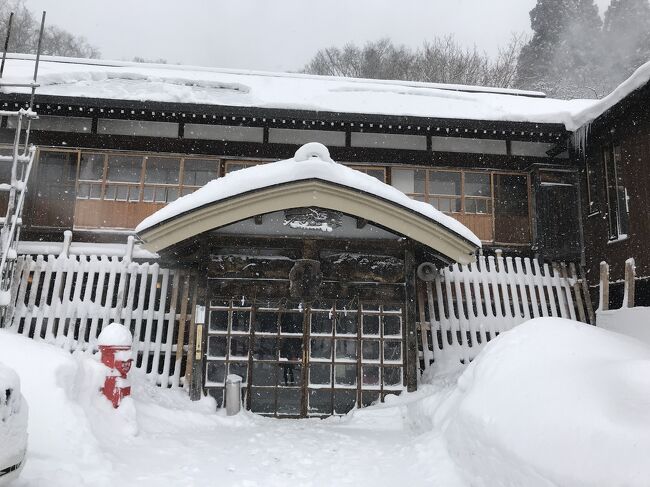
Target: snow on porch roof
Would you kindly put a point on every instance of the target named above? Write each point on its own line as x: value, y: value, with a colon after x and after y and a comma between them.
x: 85, y: 78
x: 310, y: 178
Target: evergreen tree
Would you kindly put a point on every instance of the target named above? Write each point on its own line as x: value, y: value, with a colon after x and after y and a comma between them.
x: 627, y: 37
x: 562, y: 57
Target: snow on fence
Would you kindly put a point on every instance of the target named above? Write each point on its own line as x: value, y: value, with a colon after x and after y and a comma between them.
x: 462, y: 307
x: 67, y: 300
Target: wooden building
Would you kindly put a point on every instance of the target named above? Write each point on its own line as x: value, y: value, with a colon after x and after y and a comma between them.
x: 286, y: 297
x: 613, y: 143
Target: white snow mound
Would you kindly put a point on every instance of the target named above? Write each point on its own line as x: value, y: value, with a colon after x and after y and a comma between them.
x: 554, y: 402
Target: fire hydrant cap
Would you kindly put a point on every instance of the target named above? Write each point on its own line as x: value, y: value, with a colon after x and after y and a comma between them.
x: 115, y: 335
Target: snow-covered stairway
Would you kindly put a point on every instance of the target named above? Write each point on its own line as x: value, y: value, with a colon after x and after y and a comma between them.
x: 67, y: 299
x: 461, y: 308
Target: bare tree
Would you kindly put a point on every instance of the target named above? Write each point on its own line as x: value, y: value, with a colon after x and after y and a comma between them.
x: 24, y: 34
x: 441, y: 60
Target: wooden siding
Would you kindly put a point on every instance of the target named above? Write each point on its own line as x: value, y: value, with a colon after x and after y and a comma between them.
x: 629, y: 127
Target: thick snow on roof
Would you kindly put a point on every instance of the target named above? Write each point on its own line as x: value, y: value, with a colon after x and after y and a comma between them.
x: 211, y: 86
x: 312, y: 161
x: 639, y: 78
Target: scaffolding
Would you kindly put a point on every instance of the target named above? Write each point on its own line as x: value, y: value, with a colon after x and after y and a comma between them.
x: 21, y: 159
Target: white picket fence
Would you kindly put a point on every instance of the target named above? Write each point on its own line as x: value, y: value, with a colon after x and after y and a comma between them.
x: 464, y: 307
x: 67, y: 299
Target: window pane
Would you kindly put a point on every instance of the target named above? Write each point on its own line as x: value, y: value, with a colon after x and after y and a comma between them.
x: 346, y: 349
x: 216, y: 371
x: 392, y: 325
x: 124, y: 168
x: 320, y: 374
x: 408, y: 180
x: 444, y: 182
x: 266, y: 322
x: 344, y: 401
x: 265, y: 348
x: 91, y: 166
x: 217, y: 346
x: 320, y: 401
x: 321, y: 348
x: 371, y: 324
x: 370, y: 375
x: 198, y: 172
x: 264, y: 374
x: 511, y: 220
x: 218, y: 320
x: 477, y: 184
x: 346, y: 323
x: 240, y: 320
x: 370, y: 350
x: 239, y: 346
x: 162, y: 170
x: 262, y: 400
x: 392, y: 350
x: 345, y: 375
x: 291, y: 348
x: 392, y: 376
x: 321, y: 323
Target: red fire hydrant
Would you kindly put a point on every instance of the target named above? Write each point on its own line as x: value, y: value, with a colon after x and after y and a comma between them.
x: 115, y: 349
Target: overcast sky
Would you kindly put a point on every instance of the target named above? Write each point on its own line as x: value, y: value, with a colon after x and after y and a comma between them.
x: 277, y: 34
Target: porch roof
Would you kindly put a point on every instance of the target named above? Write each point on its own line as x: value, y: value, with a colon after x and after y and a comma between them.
x: 309, y: 179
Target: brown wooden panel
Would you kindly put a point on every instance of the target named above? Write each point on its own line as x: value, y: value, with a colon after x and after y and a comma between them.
x: 481, y: 225
x: 112, y: 214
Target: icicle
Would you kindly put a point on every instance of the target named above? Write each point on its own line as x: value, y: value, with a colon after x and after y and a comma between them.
x: 243, y: 301
x: 580, y: 138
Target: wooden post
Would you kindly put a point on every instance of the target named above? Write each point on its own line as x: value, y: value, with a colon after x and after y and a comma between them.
x: 603, y: 305
x: 410, y: 324
x: 630, y: 274
x: 67, y: 240
x: 199, y: 320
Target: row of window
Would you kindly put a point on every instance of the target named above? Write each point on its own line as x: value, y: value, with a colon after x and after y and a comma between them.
x: 614, y: 191
x: 235, y: 133
x: 493, y: 204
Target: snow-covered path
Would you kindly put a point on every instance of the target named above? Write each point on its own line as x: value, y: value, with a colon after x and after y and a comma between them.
x: 269, y: 452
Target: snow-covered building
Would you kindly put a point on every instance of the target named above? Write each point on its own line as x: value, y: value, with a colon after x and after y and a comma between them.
x: 612, y: 144
x: 300, y: 274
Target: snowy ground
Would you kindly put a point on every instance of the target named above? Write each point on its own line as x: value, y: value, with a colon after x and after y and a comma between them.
x: 552, y: 402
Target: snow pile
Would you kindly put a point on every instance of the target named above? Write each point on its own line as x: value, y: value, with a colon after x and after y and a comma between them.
x: 115, y: 334
x: 634, y: 322
x: 553, y: 402
x: 211, y: 86
x: 312, y: 161
x: 58, y: 388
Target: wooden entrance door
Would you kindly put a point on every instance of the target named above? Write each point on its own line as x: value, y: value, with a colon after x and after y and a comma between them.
x: 298, y: 361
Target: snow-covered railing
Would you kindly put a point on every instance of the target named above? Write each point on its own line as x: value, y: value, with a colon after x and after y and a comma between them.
x: 67, y: 299
x: 462, y: 307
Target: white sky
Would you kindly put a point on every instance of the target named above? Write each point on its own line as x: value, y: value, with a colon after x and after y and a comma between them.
x: 277, y: 34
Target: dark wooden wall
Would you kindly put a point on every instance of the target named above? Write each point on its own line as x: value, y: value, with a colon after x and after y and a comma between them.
x: 628, y: 125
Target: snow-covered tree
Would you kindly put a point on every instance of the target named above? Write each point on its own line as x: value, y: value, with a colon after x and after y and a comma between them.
x: 627, y: 37
x: 562, y: 57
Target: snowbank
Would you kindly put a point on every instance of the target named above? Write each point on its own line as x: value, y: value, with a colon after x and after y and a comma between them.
x: 634, y: 322
x: 211, y: 86
x: 553, y: 402
x: 312, y: 161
